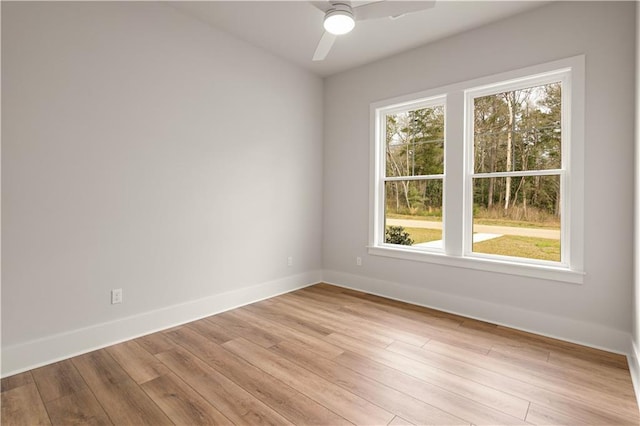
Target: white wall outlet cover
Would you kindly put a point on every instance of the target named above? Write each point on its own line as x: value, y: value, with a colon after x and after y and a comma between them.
x: 116, y: 296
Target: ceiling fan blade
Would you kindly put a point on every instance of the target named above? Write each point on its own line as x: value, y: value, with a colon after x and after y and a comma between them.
x: 324, y: 46
x: 321, y: 5
x: 383, y: 9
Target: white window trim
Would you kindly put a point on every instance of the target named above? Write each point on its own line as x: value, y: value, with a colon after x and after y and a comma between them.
x: 457, y: 175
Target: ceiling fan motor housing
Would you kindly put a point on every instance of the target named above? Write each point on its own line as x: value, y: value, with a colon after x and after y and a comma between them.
x: 339, y: 19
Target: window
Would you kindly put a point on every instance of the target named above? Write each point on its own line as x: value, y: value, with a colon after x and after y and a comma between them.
x: 413, y: 173
x: 484, y: 174
x: 517, y: 172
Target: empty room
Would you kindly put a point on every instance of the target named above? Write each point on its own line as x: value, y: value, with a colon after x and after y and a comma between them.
x: 320, y: 212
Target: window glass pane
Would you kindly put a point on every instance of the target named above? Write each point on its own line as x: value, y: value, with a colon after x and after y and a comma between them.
x: 527, y: 226
x: 415, y: 142
x: 518, y: 130
x: 413, y: 213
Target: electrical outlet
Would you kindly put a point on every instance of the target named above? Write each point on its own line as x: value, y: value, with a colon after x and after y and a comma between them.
x: 359, y: 261
x: 116, y: 296
x: 290, y: 261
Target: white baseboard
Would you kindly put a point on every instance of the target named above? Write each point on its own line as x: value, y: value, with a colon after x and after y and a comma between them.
x: 634, y: 369
x: 583, y: 333
x: 36, y: 353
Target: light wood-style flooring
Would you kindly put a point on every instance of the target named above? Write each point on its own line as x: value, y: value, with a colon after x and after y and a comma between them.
x: 326, y: 355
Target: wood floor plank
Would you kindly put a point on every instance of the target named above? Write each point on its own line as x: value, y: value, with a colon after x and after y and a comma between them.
x: 123, y: 400
x: 16, y: 381
x: 212, y: 331
x: 572, y: 350
x: 581, y: 361
x: 392, y: 314
x: 474, y: 412
x: 518, y: 352
x: 230, y: 399
x: 127, y: 404
x: 614, y: 383
x: 310, y: 328
x: 451, y: 336
x: 242, y: 328
x: 535, y: 347
x: 155, y: 343
x: 348, y: 323
x: 332, y: 356
x: 382, y: 301
x: 77, y: 408
x: 461, y: 385
x: 22, y: 405
x: 390, y: 399
x: 337, y: 323
x: 450, y: 331
x: 474, y: 324
x: 576, y: 354
x: 591, y: 389
x: 542, y: 415
x: 404, y: 310
x: 57, y: 380
x: 345, y: 299
x: 320, y: 346
x: 399, y: 421
x: 99, y: 367
x: 287, y: 401
x: 182, y: 404
x: 341, y: 402
x: 502, y: 376
x: 137, y: 362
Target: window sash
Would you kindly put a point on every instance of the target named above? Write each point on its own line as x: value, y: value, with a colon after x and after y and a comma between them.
x: 380, y: 120
x: 468, y: 240
x: 423, y: 249
x: 562, y: 76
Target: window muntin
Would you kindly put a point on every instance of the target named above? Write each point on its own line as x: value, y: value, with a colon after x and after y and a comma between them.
x: 517, y: 170
x: 412, y: 185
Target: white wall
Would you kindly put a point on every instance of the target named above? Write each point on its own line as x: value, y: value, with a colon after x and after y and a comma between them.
x: 146, y: 151
x: 598, y: 312
x: 131, y: 134
x: 635, y: 355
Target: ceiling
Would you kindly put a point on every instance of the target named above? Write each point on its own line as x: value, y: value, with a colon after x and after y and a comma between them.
x: 292, y: 29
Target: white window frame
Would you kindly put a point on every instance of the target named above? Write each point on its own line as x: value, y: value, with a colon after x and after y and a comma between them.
x: 458, y: 173
x: 428, y: 102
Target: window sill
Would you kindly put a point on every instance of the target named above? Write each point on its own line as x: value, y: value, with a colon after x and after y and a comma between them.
x: 489, y: 265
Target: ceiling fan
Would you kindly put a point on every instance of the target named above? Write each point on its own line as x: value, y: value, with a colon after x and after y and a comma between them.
x: 340, y: 17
